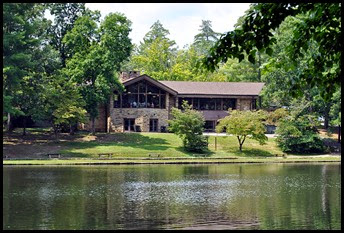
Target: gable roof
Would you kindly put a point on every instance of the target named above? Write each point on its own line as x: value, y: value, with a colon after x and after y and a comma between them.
x: 149, y: 79
x: 202, y: 88
x: 215, y: 88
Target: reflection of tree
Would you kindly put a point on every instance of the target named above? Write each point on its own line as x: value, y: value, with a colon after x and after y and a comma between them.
x: 173, y: 196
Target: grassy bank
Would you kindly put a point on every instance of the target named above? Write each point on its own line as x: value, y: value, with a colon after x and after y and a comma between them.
x: 168, y: 161
x: 84, y: 148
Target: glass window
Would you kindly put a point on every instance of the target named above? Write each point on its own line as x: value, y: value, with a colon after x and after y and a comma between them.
x: 152, y: 89
x: 181, y: 100
x: 195, y: 104
x: 142, y: 101
x: 229, y: 103
x: 142, y: 87
x: 130, y: 101
x: 132, y: 88
x: 152, y: 101
x: 218, y: 104
x: 207, y: 104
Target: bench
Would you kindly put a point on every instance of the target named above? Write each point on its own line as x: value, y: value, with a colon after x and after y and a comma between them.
x: 154, y: 155
x: 105, y: 154
x: 52, y: 155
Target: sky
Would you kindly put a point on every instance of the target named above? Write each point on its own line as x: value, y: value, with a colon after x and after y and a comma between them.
x: 183, y: 20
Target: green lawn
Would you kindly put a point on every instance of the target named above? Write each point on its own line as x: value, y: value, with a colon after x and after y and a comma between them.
x: 167, y: 145
x: 127, y: 148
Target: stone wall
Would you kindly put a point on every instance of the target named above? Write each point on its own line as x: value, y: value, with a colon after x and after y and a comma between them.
x: 244, y: 104
x: 141, y: 115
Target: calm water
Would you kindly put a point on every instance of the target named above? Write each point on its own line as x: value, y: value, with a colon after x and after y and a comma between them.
x: 229, y: 196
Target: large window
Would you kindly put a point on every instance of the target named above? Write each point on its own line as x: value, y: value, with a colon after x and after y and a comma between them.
x: 229, y: 103
x: 141, y: 95
x: 209, y: 104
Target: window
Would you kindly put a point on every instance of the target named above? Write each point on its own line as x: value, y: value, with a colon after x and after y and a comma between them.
x: 153, y: 125
x: 142, y: 95
x: 152, y: 101
x: 129, y: 124
x: 181, y: 100
x: 229, y: 103
x: 207, y: 104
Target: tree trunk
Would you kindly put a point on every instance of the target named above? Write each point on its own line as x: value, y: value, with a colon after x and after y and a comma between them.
x: 93, y: 126
x: 339, y: 133
x: 56, y: 132
x: 326, y: 118
x: 9, y: 128
x: 240, y: 147
x: 24, y: 126
x: 71, y: 129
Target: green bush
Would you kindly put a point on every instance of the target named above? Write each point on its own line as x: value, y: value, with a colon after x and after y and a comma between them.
x: 299, y: 135
x: 188, y: 125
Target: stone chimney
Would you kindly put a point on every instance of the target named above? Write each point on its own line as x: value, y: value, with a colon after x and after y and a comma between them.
x: 125, y: 75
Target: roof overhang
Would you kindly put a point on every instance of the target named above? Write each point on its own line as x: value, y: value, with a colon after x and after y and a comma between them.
x: 151, y: 80
x: 217, y: 96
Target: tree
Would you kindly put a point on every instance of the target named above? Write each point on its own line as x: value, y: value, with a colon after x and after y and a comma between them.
x: 62, y: 102
x: 243, y: 124
x: 335, y: 111
x: 188, y: 125
x: 297, y: 133
x: 156, y: 31
x: 23, y: 30
x: 320, y: 24
x: 65, y: 15
x: 97, y: 57
x: 156, y: 55
x: 204, y: 40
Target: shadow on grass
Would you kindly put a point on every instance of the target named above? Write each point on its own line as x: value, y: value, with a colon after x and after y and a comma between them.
x: 254, y: 153
x: 205, y: 153
x: 130, y: 140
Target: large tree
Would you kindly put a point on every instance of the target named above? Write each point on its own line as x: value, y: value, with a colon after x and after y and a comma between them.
x: 23, y: 30
x: 97, y: 57
x: 65, y: 15
x: 156, y: 54
x: 321, y: 23
x: 204, y: 40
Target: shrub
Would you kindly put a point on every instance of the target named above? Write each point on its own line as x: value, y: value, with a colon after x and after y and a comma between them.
x: 299, y: 135
x: 188, y: 125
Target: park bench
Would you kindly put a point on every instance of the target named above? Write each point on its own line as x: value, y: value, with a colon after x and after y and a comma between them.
x: 54, y: 155
x: 154, y: 155
x: 105, y: 154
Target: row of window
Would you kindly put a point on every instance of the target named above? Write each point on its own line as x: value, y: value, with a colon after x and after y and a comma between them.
x: 209, y: 104
x: 140, y: 101
x: 141, y: 95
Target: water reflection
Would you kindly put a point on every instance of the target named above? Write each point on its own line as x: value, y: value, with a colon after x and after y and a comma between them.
x: 231, y: 196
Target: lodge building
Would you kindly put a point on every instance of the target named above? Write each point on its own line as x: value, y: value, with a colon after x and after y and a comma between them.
x: 146, y: 103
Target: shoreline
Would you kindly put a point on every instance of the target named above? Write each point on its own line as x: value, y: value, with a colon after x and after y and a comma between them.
x: 132, y: 161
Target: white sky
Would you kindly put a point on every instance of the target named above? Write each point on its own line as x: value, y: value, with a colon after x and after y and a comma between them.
x: 183, y: 20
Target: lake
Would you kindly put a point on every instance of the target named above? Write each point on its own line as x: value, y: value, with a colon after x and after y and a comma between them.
x: 224, y: 196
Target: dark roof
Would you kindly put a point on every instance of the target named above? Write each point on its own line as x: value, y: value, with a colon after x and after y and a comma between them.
x: 203, y: 88
x: 215, y: 88
x: 150, y: 79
